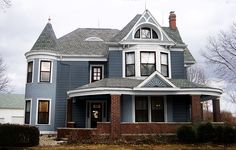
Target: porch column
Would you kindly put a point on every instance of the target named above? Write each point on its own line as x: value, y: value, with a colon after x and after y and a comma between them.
x: 196, y: 109
x: 69, y: 112
x: 216, y: 110
x: 115, y: 116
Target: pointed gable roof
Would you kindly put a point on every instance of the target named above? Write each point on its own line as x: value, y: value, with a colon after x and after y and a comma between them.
x: 47, y: 39
x: 118, y: 37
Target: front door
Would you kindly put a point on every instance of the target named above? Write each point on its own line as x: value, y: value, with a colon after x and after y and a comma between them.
x: 96, y: 114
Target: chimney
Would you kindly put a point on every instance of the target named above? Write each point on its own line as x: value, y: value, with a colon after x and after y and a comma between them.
x: 172, y: 20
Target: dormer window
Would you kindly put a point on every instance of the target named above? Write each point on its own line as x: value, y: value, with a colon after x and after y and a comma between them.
x: 146, y: 33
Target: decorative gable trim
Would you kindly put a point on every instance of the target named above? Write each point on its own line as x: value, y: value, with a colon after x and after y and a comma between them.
x: 156, y: 79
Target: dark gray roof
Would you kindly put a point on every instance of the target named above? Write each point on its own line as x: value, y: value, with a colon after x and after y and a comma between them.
x: 75, y: 42
x: 173, y: 34
x: 12, y: 101
x: 188, y: 57
x: 113, y: 83
x: 131, y: 83
x: 47, y: 39
x: 126, y: 29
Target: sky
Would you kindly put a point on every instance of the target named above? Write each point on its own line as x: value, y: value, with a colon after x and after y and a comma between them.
x: 22, y: 23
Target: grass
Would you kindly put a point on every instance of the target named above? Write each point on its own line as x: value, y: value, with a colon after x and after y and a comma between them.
x: 138, y: 147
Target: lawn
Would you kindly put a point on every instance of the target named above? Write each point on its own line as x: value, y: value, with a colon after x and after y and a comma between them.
x: 134, y: 147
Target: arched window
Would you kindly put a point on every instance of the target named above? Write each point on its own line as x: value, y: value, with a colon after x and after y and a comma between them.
x: 145, y: 33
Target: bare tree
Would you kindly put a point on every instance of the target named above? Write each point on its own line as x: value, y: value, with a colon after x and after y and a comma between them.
x: 221, y: 53
x: 4, y: 81
x: 196, y: 74
x: 5, y: 4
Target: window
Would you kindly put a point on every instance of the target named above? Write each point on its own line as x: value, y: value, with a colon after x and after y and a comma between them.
x: 45, y: 71
x: 141, y: 109
x: 30, y: 72
x: 157, y: 109
x: 130, y: 64
x: 96, y: 73
x: 145, y: 33
x: 148, y: 63
x: 164, y: 64
x: 43, y: 112
x: 27, y: 111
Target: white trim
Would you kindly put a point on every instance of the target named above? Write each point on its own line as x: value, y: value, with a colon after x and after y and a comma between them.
x: 49, y: 117
x: 177, y: 49
x: 30, y: 60
x: 90, y: 71
x: 151, y: 76
x: 113, y: 48
x: 40, y: 54
x: 145, y: 91
x: 39, y: 70
x: 28, y: 99
x: 48, y: 132
x: 133, y: 108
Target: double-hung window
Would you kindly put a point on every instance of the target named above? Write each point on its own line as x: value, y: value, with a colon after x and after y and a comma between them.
x: 30, y: 72
x: 141, y: 109
x: 97, y: 73
x: 43, y: 111
x: 130, y: 64
x: 27, y: 111
x: 148, y: 63
x: 45, y: 71
x: 164, y: 64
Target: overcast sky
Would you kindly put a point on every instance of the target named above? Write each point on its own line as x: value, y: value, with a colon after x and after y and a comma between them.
x: 21, y: 24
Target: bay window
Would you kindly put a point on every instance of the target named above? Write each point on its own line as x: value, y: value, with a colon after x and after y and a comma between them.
x: 130, y: 64
x: 27, y: 111
x: 164, y: 64
x: 45, y: 71
x: 141, y: 109
x: 148, y: 63
x: 30, y: 72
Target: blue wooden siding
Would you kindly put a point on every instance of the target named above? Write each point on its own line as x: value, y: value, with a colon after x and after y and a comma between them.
x: 177, y: 65
x: 115, y: 64
x: 169, y: 109
x: 40, y: 91
x: 126, y: 108
x: 70, y: 76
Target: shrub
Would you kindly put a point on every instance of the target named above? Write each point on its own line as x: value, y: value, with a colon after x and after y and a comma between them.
x: 205, y: 132
x: 18, y: 135
x: 186, y: 134
x: 219, y: 135
x: 228, y: 134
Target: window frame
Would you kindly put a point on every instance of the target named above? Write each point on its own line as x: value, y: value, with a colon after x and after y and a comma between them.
x: 91, y: 71
x: 49, y: 111
x: 126, y: 65
x: 161, y: 64
x: 144, y: 98
x: 50, y: 72
x: 140, y: 33
x: 32, y: 71
x: 147, y: 63
x: 30, y: 112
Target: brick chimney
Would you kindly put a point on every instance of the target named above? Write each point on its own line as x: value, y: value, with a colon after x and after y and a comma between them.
x: 172, y: 20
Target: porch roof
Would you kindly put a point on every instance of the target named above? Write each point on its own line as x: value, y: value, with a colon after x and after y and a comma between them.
x: 155, y: 84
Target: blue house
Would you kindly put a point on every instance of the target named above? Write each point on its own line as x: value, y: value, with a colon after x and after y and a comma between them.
x: 114, y: 82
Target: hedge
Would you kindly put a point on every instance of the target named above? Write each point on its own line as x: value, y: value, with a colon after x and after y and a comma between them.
x: 18, y: 135
x: 186, y: 134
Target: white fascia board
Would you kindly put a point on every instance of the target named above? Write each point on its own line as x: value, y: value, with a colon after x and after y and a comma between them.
x: 139, y: 42
x: 113, y: 48
x: 145, y: 91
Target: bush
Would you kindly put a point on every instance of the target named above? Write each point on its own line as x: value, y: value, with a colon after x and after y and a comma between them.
x: 18, y: 135
x: 219, y: 135
x: 229, y: 134
x: 205, y: 132
x: 186, y: 134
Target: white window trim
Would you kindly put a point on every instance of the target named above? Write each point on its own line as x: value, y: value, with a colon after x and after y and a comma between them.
x: 49, y: 118
x: 137, y: 51
x: 90, y: 71
x: 28, y: 99
x: 51, y: 72
x: 30, y: 60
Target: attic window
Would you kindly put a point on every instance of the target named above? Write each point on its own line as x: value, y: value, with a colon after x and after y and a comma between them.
x: 96, y: 39
x: 145, y: 33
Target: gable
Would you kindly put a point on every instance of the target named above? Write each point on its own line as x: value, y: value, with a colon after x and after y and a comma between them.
x: 156, y: 80
x: 146, y: 20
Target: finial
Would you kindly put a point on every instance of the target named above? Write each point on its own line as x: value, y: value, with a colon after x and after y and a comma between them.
x: 49, y: 19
